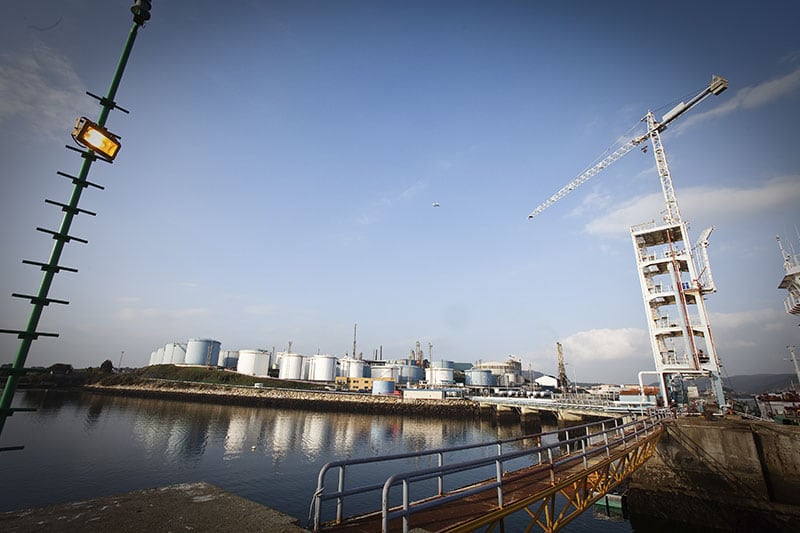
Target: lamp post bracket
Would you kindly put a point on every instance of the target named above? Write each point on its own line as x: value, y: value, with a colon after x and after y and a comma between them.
x: 105, y: 102
x: 61, y: 236
x: 49, y: 268
x: 77, y: 181
x: 69, y: 209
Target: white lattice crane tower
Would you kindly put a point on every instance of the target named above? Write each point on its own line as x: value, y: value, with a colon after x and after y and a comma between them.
x: 674, y: 280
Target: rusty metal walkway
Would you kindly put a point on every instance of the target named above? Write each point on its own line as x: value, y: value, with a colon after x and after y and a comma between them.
x: 566, y: 472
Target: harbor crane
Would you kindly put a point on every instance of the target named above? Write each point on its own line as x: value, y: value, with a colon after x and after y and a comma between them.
x: 673, y: 281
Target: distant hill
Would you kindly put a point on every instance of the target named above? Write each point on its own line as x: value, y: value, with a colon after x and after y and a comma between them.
x: 758, y: 383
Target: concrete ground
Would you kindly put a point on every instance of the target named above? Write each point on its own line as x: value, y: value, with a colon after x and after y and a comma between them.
x: 196, y: 507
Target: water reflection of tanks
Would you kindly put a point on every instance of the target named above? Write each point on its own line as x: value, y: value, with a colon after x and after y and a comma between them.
x: 202, y: 352
x: 253, y: 362
x: 187, y: 439
x: 322, y: 368
x: 315, y: 432
x: 420, y: 434
x: 345, y: 433
x: 236, y: 436
x: 291, y: 366
x: 284, y: 434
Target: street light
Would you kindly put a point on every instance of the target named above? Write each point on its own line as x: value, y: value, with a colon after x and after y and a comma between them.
x: 97, y: 138
x: 101, y: 144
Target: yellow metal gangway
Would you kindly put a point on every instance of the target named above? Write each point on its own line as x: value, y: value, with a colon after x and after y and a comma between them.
x: 567, y: 471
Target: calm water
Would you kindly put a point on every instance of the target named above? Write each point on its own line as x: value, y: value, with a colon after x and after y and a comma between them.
x: 80, y: 446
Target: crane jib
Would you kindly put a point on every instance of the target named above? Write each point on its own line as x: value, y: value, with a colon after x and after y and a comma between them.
x: 718, y: 84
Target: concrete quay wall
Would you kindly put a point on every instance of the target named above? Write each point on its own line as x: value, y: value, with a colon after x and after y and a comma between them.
x: 293, y: 399
x: 729, y: 474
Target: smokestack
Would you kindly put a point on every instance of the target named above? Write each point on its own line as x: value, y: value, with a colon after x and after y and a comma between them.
x: 355, y: 328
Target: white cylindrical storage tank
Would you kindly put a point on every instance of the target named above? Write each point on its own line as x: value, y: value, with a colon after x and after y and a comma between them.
x: 154, y: 358
x: 168, y: 353
x: 344, y: 367
x: 253, y: 362
x: 383, y: 386
x: 478, y: 377
x: 440, y: 376
x: 389, y: 372
x: 323, y: 368
x: 202, y: 352
x: 230, y: 359
x: 352, y: 368
x: 224, y: 355
x: 291, y: 366
x: 178, y: 354
x: 410, y: 373
x: 160, y: 356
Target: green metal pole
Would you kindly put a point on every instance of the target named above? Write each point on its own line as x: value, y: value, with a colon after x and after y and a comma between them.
x: 39, y: 303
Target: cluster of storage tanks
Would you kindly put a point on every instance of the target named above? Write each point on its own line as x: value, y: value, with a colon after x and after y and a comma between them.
x: 203, y: 352
x: 324, y: 367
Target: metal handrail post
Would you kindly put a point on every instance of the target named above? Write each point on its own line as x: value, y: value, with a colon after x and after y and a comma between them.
x: 583, y: 452
x: 340, y: 498
x: 405, y: 506
x: 499, y: 473
x: 440, y: 455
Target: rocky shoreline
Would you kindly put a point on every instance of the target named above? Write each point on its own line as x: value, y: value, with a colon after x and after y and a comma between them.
x: 292, y: 399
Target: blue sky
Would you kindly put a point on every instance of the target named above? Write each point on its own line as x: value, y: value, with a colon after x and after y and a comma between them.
x: 281, y: 161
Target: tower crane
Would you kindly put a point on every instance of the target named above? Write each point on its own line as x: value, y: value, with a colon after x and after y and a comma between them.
x: 654, y: 129
x: 674, y: 305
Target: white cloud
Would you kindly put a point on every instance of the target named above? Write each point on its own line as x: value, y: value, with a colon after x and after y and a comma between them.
x: 128, y: 299
x: 259, y: 309
x: 751, y: 98
x: 132, y: 314
x: 606, y: 344
x: 714, y: 203
x: 39, y: 87
x: 770, y: 319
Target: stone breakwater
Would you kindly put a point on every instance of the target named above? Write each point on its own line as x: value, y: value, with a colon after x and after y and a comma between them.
x: 293, y: 399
